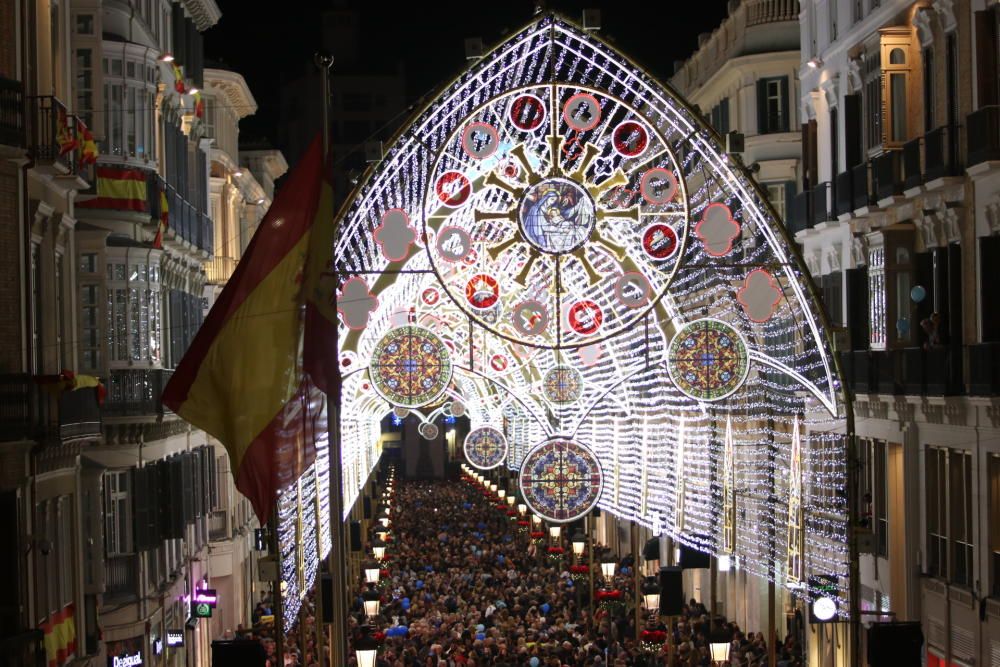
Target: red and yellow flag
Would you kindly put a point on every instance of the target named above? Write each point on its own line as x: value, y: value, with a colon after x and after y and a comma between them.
x: 163, y: 222
x: 242, y: 379
x: 118, y: 189
x: 60, y: 636
x: 88, y: 147
x: 65, y: 135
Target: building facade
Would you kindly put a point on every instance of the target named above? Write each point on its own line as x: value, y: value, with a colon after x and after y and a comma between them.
x: 897, y: 218
x: 124, y: 206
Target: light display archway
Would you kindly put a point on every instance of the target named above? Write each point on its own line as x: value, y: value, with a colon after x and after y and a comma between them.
x: 599, y: 270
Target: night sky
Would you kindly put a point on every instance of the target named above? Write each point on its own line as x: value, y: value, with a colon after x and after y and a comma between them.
x: 428, y: 38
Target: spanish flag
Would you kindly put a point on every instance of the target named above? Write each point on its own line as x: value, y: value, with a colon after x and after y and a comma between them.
x: 242, y: 379
x: 88, y: 147
x: 118, y: 189
x: 59, y: 636
x: 65, y: 136
x: 179, y: 84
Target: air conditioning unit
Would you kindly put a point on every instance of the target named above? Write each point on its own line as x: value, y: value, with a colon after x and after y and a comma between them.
x: 474, y: 48
x: 591, y: 19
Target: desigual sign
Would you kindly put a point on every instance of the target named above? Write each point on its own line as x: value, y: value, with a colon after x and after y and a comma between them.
x: 131, y: 660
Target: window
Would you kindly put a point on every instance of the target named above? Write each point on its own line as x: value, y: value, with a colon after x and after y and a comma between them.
x: 84, y: 76
x: 37, y: 311
x: 948, y: 479
x: 872, y: 73
x: 777, y: 195
x: 60, y: 300
x: 134, y: 324
x: 994, y: 472
x: 875, y: 492
x: 832, y: 4
x: 897, y: 73
x: 928, y: 60
x: 858, y: 11
x: 129, y: 102
x: 772, y: 105
x: 876, y: 297
x: 90, y: 340
x: 117, y: 512
x: 85, y: 24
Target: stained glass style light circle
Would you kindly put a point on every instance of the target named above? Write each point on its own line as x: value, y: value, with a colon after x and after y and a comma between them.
x: 560, y: 480
x: 562, y: 385
x: 410, y: 367
x: 557, y: 215
x: 630, y: 139
x: 485, y: 447
x: 707, y: 360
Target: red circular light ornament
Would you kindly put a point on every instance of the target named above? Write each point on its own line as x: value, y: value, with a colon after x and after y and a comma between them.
x: 630, y: 138
x: 527, y: 113
x: 482, y: 291
x: 585, y: 317
x: 453, y: 188
x: 659, y: 241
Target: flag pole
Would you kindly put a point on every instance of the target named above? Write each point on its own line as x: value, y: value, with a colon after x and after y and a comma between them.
x: 277, y: 609
x: 336, y: 564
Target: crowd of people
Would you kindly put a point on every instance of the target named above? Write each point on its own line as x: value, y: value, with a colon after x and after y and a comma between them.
x: 465, y: 583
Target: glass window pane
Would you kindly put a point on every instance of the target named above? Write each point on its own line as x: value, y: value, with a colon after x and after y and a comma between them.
x: 897, y: 84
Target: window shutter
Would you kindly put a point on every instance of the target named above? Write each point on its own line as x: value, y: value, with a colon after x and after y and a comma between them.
x: 140, y: 508
x: 198, y: 482
x: 176, y: 508
x: 853, y: 138
x: 762, y: 126
x: 786, y: 106
x: 213, y: 478
x: 187, y: 488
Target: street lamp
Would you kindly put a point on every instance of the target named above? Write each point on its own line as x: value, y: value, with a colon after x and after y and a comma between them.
x: 535, y: 519
x: 381, y: 533
x: 510, y: 500
x: 384, y: 521
x: 365, y: 650
x: 501, y: 493
x: 719, y: 642
x: 608, y: 564
x: 372, y: 573
x: 579, y: 543
x: 522, y: 508
x: 378, y: 549
x: 651, y: 594
x: 372, y: 602
x: 555, y: 532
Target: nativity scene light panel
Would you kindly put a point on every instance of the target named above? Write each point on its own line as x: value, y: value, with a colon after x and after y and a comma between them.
x: 559, y: 246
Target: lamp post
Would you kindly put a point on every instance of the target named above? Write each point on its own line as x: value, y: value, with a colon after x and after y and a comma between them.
x: 579, y: 544
x: 372, y: 573
x: 378, y: 549
x: 373, y: 602
x: 719, y: 643
x: 608, y: 564
x: 366, y: 650
x: 651, y: 595
x: 555, y: 531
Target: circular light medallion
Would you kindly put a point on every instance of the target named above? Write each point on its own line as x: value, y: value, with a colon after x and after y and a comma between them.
x: 630, y: 139
x: 562, y: 385
x: 482, y: 291
x: 410, y: 367
x: 457, y: 408
x: 659, y: 241
x: 480, y: 140
x: 498, y: 362
x: 560, y: 480
x: 557, y: 215
x: 707, y: 360
x: 527, y: 113
x: 485, y: 447
x: 658, y: 186
x: 824, y: 608
x: 453, y: 243
x: 428, y: 431
x: 632, y: 290
x: 582, y: 112
x: 585, y: 317
x: 453, y: 188
x: 430, y: 296
x: 530, y: 318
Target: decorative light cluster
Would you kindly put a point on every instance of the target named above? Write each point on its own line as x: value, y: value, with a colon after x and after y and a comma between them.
x: 601, y: 284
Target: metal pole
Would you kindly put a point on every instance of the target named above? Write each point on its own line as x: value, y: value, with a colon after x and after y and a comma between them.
x: 592, y: 544
x: 336, y: 566
x: 635, y: 576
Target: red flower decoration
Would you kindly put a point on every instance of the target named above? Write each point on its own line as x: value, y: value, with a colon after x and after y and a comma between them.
x: 653, y: 636
x: 608, y: 595
x: 555, y: 550
x: 579, y: 569
x: 524, y: 524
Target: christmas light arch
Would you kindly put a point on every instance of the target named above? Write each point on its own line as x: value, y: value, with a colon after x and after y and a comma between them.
x: 557, y: 215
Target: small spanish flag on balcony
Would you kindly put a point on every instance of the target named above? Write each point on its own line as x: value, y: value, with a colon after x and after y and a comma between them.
x: 163, y: 222
x: 179, y: 85
x: 118, y: 189
x: 60, y: 636
x: 199, y: 106
x: 88, y: 147
x: 65, y: 136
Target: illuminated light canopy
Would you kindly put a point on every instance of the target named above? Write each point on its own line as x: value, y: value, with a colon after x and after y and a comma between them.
x: 572, y: 212
x: 485, y: 447
x: 561, y: 480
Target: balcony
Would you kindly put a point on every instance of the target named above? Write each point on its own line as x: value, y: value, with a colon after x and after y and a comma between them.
x: 933, y: 372
x: 887, y: 177
x: 122, y: 581
x: 799, y: 218
x: 821, y: 200
x: 983, y: 135
x: 218, y: 526
x: 912, y: 174
x: 29, y: 412
x: 937, y: 162
x: 843, y: 201
x: 771, y: 11
x: 860, y: 186
x: 136, y: 392
x: 50, y: 133
x: 12, y: 113
x: 984, y: 369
